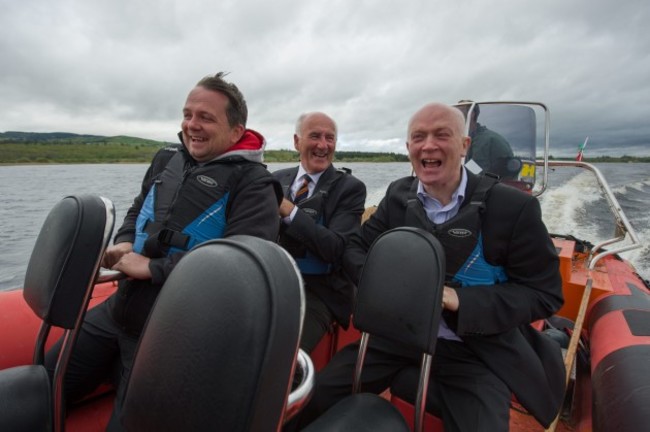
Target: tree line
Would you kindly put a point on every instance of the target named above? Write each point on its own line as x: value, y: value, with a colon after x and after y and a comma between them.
x: 63, y: 147
x: 120, y: 152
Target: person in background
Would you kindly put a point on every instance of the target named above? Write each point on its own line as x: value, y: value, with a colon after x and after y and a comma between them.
x: 211, y: 185
x: 489, y: 150
x: 499, y: 279
x: 321, y: 208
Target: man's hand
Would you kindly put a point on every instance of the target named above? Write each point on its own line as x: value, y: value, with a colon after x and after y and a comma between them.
x: 134, y: 265
x: 286, y: 207
x: 450, y: 299
x: 114, y: 253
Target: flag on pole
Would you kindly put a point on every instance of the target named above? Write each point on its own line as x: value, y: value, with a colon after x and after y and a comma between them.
x: 581, y: 149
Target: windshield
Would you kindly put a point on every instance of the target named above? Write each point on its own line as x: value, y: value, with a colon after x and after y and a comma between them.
x: 503, y: 141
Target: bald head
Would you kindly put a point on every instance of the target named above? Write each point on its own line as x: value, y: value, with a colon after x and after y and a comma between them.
x: 436, y: 144
x: 456, y: 116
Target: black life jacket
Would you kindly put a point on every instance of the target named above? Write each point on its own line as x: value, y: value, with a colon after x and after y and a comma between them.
x: 460, y: 236
x: 199, y: 213
x: 308, y: 263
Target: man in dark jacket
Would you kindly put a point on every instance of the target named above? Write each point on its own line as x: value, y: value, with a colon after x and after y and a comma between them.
x: 212, y: 185
x: 489, y: 150
x: 501, y: 275
x: 322, y: 207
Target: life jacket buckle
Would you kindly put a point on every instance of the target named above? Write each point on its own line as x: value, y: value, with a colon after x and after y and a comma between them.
x: 173, y: 238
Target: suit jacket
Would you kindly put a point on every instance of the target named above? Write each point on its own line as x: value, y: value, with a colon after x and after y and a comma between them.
x: 493, y: 320
x: 341, y: 214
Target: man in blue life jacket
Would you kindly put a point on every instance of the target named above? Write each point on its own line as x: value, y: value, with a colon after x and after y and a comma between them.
x: 322, y: 207
x: 498, y: 280
x: 211, y: 185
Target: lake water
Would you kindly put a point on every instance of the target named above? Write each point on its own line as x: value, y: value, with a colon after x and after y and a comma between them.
x: 27, y: 193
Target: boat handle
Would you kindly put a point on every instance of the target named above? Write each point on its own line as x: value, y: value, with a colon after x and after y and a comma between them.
x: 107, y: 275
x: 300, y: 396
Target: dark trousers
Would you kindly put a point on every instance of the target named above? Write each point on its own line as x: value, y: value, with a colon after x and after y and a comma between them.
x: 103, y: 353
x: 462, y: 391
x: 318, y: 321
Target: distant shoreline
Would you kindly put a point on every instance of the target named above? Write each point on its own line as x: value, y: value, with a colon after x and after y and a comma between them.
x: 609, y: 160
x: 41, y: 153
x: 376, y: 158
x: 23, y: 148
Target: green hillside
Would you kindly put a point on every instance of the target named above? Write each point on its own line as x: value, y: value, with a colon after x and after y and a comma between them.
x: 63, y: 147
x: 70, y: 138
x: 60, y: 147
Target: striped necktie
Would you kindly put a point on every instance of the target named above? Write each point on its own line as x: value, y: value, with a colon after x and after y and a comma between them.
x: 303, y: 192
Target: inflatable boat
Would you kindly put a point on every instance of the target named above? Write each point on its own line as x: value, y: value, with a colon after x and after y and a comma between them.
x: 604, y: 325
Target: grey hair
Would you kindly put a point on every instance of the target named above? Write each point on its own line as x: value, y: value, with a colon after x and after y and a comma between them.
x: 303, y: 116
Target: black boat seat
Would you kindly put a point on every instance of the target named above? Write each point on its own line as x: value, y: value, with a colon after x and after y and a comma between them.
x: 399, y: 298
x: 360, y: 412
x: 219, y: 348
x: 58, y: 283
x: 25, y: 399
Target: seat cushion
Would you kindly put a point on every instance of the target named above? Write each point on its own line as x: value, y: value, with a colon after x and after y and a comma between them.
x: 25, y: 399
x: 360, y: 412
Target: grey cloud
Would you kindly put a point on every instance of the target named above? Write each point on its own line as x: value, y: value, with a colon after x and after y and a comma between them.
x: 120, y: 67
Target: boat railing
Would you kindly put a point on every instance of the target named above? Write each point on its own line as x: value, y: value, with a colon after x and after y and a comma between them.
x: 623, y: 231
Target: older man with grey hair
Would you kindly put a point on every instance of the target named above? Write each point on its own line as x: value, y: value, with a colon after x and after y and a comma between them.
x: 322, y: 208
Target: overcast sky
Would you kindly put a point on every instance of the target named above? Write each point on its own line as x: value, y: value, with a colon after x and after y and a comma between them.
x: 124, y: 67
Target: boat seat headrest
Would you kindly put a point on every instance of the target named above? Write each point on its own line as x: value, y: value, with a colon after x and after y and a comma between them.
x: 26, y: 399
x: 218, y: 349
x: 66, y: 256
x: 399, y: 298
x: 396, y: 291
